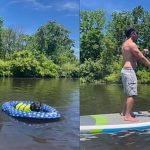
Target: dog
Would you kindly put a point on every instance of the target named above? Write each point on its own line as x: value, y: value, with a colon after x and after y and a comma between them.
x: 35, y: 106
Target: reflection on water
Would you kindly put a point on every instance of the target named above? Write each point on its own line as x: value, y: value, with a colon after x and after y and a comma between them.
x: 96, y: 99
x: 109, y: 98
x: 61, y: 94
x: 123, y: 141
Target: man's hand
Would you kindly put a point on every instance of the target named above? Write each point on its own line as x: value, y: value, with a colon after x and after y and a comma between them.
x: 145, y: 51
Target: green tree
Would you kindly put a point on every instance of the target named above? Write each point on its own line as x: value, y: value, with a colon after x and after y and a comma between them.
x: 13, y: 40
x: 53, y: 40
x: 137, y: 18
x: 9, y: 42
x: 1, y: 43
x: 91, y: 34
x: 107, y: 51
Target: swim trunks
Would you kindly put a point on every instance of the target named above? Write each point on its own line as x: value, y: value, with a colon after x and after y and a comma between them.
x: 129, y: 81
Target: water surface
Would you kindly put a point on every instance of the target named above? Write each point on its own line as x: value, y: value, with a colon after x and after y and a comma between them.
x: 62, y: 94
x: 109, y: 98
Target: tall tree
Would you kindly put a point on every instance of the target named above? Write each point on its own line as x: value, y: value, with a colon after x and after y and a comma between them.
x: 13, y: 40
x: 137, y: 18
x: 91, y: 34
x: 1, y: 29
x: 53, y: 40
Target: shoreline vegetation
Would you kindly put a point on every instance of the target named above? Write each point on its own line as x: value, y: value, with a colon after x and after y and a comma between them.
x: 101, y: 40
x: 46, y: 54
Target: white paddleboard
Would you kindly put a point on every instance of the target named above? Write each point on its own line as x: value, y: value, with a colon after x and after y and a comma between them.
x: 110, y: 123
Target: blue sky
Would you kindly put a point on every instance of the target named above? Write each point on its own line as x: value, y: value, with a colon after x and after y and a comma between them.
x: 110, y: 6
x: 29, y: 15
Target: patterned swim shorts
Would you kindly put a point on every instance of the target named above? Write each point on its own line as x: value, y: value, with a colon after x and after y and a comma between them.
x: 129, y: 81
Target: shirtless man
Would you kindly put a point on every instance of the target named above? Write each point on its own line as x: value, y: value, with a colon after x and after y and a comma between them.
x: 131, y: 54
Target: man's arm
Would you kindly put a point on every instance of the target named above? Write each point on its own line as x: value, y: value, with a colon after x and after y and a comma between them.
x: 139, y: 55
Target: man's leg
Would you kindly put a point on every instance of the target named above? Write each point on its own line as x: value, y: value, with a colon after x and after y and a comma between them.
x: 124, y: 109
x: 129, y: 106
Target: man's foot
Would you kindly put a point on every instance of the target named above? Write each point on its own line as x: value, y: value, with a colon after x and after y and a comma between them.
x: 131, y: 119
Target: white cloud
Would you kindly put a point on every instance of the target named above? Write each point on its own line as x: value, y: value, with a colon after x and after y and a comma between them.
x: 70, y: 6
x: 37, y: 5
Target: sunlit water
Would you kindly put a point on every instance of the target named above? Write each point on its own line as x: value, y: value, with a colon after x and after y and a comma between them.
x: 62, y: 94
x: 98, y: 99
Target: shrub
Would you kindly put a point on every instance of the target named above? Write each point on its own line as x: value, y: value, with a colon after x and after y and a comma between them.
x: 33, y: 64
x: 5, y: 68
x: 69, y: 70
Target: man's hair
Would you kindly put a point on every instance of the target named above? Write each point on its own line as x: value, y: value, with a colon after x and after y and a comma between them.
x: 128, y: 31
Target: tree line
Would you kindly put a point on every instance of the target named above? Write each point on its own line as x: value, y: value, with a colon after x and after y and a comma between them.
x: 101, y: 40
x: 47, y: 53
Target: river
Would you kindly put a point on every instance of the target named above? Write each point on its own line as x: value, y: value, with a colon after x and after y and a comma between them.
x: 109, y: 98
x: 62, y: 94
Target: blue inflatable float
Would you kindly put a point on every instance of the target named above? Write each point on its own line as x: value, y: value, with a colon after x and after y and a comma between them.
x: 47, y: 112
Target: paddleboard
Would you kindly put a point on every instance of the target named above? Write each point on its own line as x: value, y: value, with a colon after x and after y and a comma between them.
x: 110, y: 123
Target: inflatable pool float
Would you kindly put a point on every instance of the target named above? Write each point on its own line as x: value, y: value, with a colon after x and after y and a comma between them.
x: 47, y: 112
